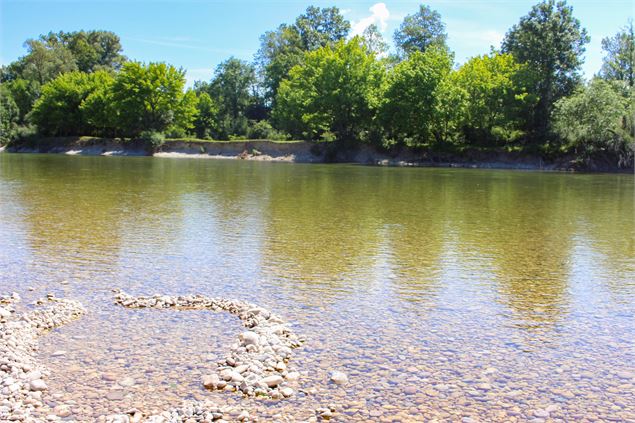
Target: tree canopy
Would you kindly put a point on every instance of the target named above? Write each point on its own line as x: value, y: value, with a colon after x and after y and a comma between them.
x: 333, y: 94
x: 619, y: 61
x: 551, y: 41
x: 420, y: 31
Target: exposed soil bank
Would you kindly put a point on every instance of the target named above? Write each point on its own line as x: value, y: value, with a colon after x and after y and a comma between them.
x: 306, y: 152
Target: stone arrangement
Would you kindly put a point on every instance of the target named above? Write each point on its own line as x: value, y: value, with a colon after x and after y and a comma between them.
x: 257, y: 363
x: 21, y: 377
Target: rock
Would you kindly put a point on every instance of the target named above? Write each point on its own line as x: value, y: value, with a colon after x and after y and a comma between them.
x: 108, y: 377
x: 211, y: 381
x: 287, y: 392
x: 58, y: 353
x: 116, y: 395
x: 250, y: 338
x: 410, y: 390
x: 484, y: 386
x: 127, y: 381
x: 339, y: 378
x: 293, y: 376
x: 4, y: 313
x: 62, y: 411
x: 237, y: 377
x: 272, y: 381
x: 37, y: 385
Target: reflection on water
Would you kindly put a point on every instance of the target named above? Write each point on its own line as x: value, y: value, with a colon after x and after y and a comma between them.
x: 444, y: 294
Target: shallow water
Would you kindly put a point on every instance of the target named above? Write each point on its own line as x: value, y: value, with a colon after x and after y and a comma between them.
x: 443, y: 293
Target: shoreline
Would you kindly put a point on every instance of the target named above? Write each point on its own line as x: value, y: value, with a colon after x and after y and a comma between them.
x: 304, y: 152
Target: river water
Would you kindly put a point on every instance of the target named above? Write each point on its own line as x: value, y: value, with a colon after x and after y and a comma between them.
x: 443, y: 294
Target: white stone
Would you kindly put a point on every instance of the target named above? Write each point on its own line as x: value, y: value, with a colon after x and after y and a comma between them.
x: 250, y: 338
x: 38, y: 385
x: 272, y: 381
x: 339, y: 378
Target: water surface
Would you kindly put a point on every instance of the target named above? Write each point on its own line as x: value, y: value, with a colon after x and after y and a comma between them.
x: 444, y: 294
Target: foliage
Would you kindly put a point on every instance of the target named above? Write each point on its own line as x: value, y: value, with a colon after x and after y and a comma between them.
x: 264, y: 131
x: 55, y: 53
x: 417, y: 100
x: 98, y: 108
x: 374, y: 42
x: 205, y: 124
x: 420, y: 31
x: 9, y: 115
x: 233, y: 91
x: 151, y: 97
x: 280, y: 50
x: 59, y: 109
x: 321, y: 27
x: 598, y: 119
x: 284, y: 48
x: 497, y: 97
x: 619, y: 62
x: 336, y: 90
x: 551, y: 42
x: 153, y: 139
x: 24, y: 93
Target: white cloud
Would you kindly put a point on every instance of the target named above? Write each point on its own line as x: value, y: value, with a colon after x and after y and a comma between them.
x: 379, y: 16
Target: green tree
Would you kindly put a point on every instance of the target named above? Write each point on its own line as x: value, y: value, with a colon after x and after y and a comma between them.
x: 551, y: 42
x: 597, y: 120
x: 280, y: 50
x: 497, y: 97
x: 320, y: 27
x: 417, y: 105
x: 43, y: 63
x: 205, y: 124
x: 335, y: 93
x: 98, y: 108
x: 9, y: 115
x: 151, y: 98
x: 24, y: 93
x: 419, y: 31
x: 91, y: 50
x: 233, y: 90
x: 284, y: 48
x: 374, y: 41
x: 619, y: 62
x: 59, y: 111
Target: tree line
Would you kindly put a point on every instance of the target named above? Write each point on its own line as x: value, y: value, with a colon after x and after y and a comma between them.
x: 310, y: 80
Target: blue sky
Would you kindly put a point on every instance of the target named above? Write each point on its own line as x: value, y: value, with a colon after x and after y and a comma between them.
x: 197, y: 34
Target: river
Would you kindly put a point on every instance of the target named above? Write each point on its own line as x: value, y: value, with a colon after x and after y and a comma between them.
x: 443, y: 294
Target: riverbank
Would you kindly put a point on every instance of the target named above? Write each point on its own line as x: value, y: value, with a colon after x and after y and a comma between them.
x: 307, y: 152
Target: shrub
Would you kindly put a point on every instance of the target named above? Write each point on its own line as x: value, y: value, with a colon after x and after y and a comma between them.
x: 153, y: 139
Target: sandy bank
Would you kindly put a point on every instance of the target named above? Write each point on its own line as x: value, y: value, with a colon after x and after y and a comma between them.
x: 304, y: 152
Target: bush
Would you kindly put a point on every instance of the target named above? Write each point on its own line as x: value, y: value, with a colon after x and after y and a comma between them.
x: 154, y: 140
x: 263, y: 130
x: 597, y: 122
x: 176, y: 132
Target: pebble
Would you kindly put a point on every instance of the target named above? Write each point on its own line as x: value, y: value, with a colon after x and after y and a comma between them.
x: 338, y: 378
x: 62, y: 411
x: 273, y: 381
x: 267, y: 344
x: 116, y: 395
x: 37, y: 385
x: 127, y: 381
